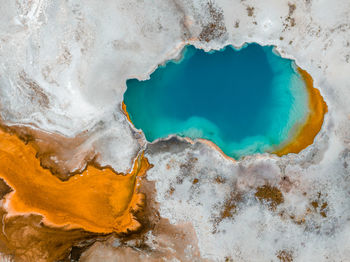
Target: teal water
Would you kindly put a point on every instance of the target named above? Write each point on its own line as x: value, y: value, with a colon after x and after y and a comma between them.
x: 244, y: 100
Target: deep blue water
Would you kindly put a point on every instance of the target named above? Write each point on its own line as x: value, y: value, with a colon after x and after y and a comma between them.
x: 246, y: 101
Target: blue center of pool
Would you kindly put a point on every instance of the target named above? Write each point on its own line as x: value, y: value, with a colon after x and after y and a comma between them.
x: 246, y: 100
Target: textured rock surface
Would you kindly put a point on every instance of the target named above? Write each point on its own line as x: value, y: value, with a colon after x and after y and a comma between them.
x: 63, y: 70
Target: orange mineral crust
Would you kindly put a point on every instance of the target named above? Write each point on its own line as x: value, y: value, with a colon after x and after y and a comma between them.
x: 97, y: 200
x: 307, y: 132
x: 126, y: 112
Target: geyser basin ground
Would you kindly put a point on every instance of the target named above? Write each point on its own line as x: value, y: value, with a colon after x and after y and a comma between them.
x: 246, y: 101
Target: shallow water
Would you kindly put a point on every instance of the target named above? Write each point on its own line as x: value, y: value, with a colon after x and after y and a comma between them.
x: 244, y: 100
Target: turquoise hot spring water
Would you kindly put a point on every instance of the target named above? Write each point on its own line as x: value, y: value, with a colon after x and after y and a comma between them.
x: 245, y: 100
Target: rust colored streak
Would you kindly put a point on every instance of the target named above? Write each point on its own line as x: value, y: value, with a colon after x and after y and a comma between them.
x: 126, y: 112
x: 97, y: 200
x: 307, y: 132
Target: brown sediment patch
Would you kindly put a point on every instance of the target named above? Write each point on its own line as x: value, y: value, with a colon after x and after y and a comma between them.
x: 307, y: 132
x: 271, y: 195
x: 24, y: 238
x: 285, y: 256
x: 320, y: 206
x: 219, y: 180
x: 228, y: 209
x: 98, y: 200
x: 250, y: 10
x: 215, y: 28
x: 195, y: 181
x: 230, y: 205
x: 307, y: 215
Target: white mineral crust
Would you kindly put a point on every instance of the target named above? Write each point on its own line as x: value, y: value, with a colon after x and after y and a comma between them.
x: 64, y: 66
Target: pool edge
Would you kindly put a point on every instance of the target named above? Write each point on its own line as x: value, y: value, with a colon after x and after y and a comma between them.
x: 305, y: 134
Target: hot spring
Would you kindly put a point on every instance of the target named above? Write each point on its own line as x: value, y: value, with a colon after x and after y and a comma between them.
x: 246, y: 101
